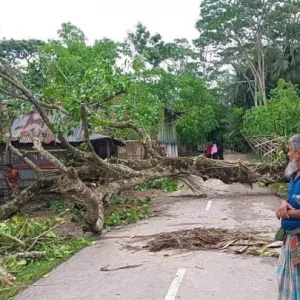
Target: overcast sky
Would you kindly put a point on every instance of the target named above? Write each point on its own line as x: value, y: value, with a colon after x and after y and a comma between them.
x: 41, y: 19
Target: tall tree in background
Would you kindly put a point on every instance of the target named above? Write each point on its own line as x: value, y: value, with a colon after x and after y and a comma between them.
x: 16, y: 51
x: 241, y: 32
x: 158, y: 53
x: 170, y: 71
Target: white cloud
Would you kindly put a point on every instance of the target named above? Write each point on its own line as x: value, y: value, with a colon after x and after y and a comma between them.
x: 98, y: 18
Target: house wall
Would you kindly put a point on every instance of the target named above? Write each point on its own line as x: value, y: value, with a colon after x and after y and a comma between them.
x: 167, y: 137
x: 133, y: 150
x: 104, y: 148
x: 27, y: 176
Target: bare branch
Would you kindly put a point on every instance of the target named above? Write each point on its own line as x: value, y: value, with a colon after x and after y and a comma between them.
x: 135, y: 164
x: 146, y: 139
x: 86, y: 129
x: 57, y: 151
x: 114, y: 95
x: 15, y: 239
x: 53, y: 106
x: 38, y: 146
x: 10, y: 94
x: 109, y: 168
x: 32, y: 165
x: 7, y: 74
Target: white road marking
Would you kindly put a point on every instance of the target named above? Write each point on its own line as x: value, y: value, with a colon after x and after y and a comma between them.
x: 208, y: 205
x: 174, y: 287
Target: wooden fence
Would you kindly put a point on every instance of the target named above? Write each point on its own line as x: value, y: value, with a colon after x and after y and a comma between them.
x: 265, y: 146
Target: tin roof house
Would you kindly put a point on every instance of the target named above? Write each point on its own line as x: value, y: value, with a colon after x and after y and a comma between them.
x: 21, y: 131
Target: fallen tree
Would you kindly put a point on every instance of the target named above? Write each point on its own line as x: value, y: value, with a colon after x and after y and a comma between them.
x: 119, y: 175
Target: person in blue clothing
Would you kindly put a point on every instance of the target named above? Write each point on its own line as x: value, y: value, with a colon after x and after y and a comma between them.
x: 288, y: 271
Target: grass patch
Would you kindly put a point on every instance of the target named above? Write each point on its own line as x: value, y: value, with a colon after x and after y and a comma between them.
x: 281, y: 188
x: 55, y: 205
x: 165, y: 184
x: 126, y: 211
x: 20, y: 235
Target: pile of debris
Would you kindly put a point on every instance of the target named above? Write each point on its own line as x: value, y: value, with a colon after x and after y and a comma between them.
x: 214, y: 239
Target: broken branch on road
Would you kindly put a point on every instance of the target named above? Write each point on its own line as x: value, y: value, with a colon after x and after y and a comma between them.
x: 212, y: 239
x: 106, y: 269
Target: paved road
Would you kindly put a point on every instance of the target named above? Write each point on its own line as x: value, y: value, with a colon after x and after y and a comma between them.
x: 177, y: 275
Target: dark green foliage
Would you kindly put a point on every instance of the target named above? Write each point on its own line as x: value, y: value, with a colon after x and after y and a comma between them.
x: 126, y: 211
x: 166, y: 185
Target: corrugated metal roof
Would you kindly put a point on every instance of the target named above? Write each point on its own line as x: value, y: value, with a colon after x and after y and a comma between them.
x: 34, y: 124
x: 31, y: 124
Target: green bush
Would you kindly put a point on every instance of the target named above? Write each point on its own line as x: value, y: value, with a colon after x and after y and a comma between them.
x: 281, y: 188
x: 166, y: 185
x: 55, y: 205
x: 280, y: 117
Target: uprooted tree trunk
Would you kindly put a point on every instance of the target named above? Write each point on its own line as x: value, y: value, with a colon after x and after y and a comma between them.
x: 70, y: 183
x: 119, y: 175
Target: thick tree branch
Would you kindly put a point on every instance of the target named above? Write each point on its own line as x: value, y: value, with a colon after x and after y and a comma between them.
x: 117, y: 186
x: 136, y: 164
x: 56, y: 151
x: 70, y: 182
x: 25, y: 196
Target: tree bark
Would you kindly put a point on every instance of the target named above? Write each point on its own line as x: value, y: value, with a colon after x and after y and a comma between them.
x: 70, y: 183
x: 12, y: 207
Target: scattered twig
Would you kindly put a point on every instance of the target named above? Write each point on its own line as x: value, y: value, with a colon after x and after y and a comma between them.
x: 42, y: 234
x: 31, y: 254
x: 229, y: 243
x: 21, y: 230
x: 13, y: 238
x: 106, y: 269
x: 241, y: 250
